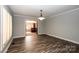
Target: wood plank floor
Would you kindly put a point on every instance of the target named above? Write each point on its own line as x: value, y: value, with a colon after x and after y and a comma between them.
x: 33, y: 43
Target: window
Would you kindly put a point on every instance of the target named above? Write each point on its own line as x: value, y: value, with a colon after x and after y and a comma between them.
x: 6, y: 26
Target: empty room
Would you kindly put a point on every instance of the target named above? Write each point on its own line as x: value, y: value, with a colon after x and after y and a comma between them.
x: 39, y: 28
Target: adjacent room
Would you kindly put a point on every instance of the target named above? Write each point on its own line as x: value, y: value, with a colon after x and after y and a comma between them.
x: 39, y: 28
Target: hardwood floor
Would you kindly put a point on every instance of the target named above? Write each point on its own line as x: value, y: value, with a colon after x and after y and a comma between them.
x: 33, y: 43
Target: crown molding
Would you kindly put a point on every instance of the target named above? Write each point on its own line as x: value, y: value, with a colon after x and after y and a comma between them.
x: 69, y: 11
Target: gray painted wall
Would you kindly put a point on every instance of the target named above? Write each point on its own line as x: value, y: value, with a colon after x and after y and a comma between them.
x: 19, y: 25
x: 65, y: 26
x: 41, y: 27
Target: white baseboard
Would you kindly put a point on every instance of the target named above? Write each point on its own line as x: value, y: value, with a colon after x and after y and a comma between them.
x: 17, y: 36
x: 53, y: 36
x: 40, y: 33
x: 64, y: 38
x: 7, y: 46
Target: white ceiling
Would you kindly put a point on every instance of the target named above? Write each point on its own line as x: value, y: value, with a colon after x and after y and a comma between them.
x: 34, y: 10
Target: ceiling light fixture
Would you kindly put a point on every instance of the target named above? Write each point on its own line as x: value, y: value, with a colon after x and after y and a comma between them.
x: 41, y: 16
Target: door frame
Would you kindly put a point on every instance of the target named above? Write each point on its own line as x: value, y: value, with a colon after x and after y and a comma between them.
x: 26, y: 25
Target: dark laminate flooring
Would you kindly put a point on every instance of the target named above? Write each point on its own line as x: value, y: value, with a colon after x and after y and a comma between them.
x: 41, y: 44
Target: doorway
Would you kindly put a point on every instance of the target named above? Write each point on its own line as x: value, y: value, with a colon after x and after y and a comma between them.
x: 31, y: 27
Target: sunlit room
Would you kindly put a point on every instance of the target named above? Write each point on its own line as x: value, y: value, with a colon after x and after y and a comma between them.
x: 39, y: 28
